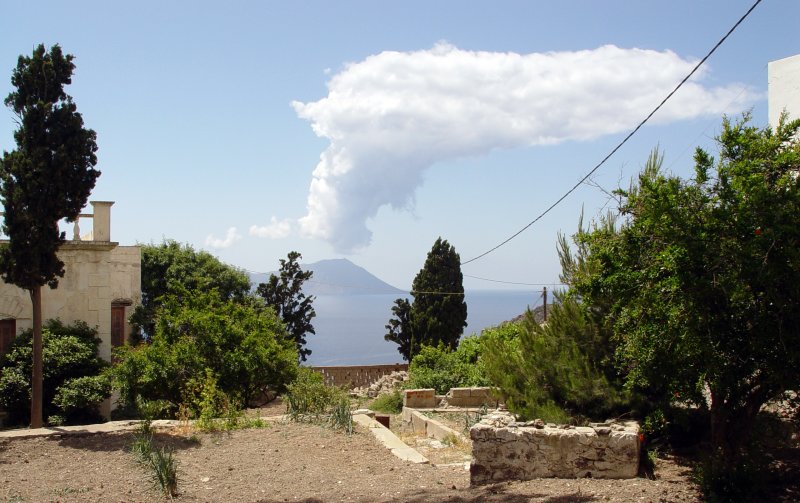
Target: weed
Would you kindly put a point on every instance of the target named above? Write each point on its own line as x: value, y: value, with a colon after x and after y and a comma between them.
x: 72, y: 490
x: 164, y: 467
x: 142, y: 448
x: 471, y: 419
x: 340, y: 417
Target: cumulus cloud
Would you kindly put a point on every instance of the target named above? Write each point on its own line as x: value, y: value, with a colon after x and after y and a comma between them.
x: 230, y: 237
x: 394, y: 114
x: 276, y: 229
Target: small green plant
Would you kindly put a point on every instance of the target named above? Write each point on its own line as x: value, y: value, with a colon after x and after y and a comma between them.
x: 164, y: 468
x: 340, y: 417
x: 390, y: 403
x: 142, y: 448
x: 471, y: 419
x: 56, y: 420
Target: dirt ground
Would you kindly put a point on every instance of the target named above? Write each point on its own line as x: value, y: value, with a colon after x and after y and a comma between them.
x: 286, y: 462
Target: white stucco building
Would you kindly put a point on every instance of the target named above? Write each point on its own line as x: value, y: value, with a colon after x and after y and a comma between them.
x: 101, y: 285
x: 784, y: 88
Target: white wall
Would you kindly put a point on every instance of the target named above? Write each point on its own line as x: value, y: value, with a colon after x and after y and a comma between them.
x: 784, y: 88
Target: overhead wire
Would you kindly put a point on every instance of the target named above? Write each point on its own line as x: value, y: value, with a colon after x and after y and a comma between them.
x: 620, y: 144
x: 420, y: 292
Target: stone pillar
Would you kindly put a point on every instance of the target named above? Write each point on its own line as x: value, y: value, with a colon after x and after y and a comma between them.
x: 101, y: 230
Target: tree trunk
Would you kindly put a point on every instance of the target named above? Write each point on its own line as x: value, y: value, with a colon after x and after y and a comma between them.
x: 36, y: 378
x: 731, y: 432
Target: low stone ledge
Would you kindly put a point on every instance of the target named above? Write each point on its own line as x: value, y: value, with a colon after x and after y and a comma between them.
x: 504, y: 449
x: 419, y: 398
x: 471, y: 397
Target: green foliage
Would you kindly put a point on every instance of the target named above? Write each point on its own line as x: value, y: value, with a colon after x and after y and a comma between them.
x: 390, y: 403
x: 172, y: 269
x: 73, y: 387
x: 284, y: 293
x: 438, y: 313
x: 50, y: 174
x: 706, y: 284
x: 399, y: 329
x: 242, y: 345
x: 546, y: 371
x: 160, y: 462
x: 308, y: 395
x: 142, y: 445
x: 309, y: 399
x: 340, y: 416
x: 47, y: 178
x: 442, y: 369
x: 77, y: 396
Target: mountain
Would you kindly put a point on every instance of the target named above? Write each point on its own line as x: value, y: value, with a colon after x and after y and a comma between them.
x: 337, y: 277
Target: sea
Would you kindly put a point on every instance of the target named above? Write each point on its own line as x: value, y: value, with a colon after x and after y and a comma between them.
x: 350, y: 328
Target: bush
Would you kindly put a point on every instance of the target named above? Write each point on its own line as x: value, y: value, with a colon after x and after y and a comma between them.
x: 308, y: 398
x: 390, y: 403
x: 441, y: 369
x: 243, y: 346
x: 72, y: 386
x: 80, y: 397
x: 548, y: 371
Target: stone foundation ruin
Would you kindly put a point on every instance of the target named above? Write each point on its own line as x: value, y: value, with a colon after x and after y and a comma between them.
x: 503, y: 449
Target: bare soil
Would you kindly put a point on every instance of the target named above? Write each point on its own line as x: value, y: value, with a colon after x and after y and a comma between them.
x: 286, y: 462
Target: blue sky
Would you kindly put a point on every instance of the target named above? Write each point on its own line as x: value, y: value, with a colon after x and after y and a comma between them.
x: 365, y: 130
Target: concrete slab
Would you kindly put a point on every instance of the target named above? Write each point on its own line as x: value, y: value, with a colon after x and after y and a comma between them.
x: 91, y: 429
x: 390, y: 440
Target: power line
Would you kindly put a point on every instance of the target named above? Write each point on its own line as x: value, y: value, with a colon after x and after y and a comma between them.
x: 413, y: 292
x: 511, y: 282
x: 625, y: 140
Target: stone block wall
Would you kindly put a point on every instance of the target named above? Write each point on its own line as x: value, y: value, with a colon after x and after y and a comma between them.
x: 471, y: 397
x: 503, y: 449
x: 357, y: 375
x: 420, y: 398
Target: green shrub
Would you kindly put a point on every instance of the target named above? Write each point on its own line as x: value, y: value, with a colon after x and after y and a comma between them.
x: 441, y: 369
x: 551, y: 371
x: 308, y: 395
x: 390, y: 403
x: 309, y: 399
x: 72, y: 386
x: 79, y: 398
x: 243, y: 345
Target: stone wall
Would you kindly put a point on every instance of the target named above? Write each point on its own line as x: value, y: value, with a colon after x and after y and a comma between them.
x: 357, y: 376
x: 471, y: 397
x: 503, y: 449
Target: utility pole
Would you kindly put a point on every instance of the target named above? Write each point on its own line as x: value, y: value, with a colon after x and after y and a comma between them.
x: 544, y: 294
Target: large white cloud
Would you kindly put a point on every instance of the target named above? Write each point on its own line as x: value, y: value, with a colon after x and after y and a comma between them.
x: 230, y: 237
x: 277, y: 229
x: 393, y: 115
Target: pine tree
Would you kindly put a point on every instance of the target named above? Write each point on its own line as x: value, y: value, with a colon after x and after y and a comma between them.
x: 284, y: 293
x: 438, y: 314
x: 47, y: 178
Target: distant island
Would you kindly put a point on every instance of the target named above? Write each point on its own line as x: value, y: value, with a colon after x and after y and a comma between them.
x: 337, y: 277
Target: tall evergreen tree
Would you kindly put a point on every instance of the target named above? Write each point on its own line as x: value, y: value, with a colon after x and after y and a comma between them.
x: 438, y: 314
x: 47, y: 178
x: 284, y: 293
x: 399, y: 329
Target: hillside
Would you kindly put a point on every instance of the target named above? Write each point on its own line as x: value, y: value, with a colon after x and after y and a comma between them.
x: 338, y: 277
